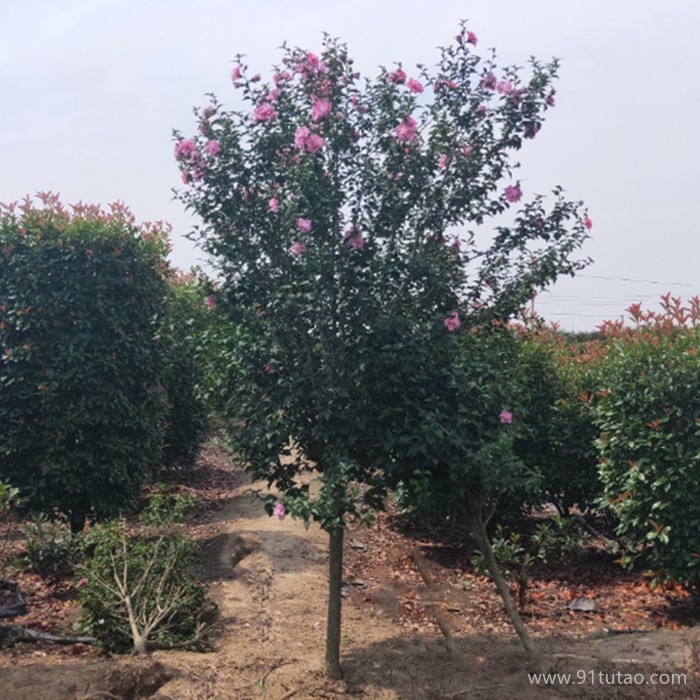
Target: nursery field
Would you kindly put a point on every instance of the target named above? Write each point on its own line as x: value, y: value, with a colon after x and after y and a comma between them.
x: 401, y: 585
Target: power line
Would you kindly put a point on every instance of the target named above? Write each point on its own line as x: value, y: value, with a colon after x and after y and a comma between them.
x: 630, y: 279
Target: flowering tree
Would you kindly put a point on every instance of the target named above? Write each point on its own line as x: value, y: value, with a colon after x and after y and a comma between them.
x: 340, y: 214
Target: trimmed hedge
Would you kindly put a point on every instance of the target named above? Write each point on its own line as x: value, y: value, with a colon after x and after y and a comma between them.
x: 82, y: 397
x: 649, y: 418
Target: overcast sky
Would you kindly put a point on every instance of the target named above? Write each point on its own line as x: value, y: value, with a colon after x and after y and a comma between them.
x: 90, y: 91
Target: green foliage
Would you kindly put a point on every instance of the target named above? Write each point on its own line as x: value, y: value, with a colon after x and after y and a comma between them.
x: 10, y: 499
x: 458, y: 445
x: 81, y: 392
x: 52, y: 548
x: 557, y: 542
x: 136, y: 590
x: 336, y: 261
x: 558, y: 438
x: 340, y: 215
x: 184, y: 322
x: 514, y: 561
x: 166, y: 508
x: 649, y: 417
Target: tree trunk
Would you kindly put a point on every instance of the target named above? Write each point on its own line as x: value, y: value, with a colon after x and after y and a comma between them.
x: 478, y: 529
x: 335, y: 582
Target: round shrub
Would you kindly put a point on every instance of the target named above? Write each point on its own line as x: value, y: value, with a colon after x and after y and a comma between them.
x: 649, y: 417
x: 81, y: 391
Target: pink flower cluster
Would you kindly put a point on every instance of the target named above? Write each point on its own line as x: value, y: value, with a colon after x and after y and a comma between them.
x: 306, y: 140
x: 265, y: 112
x: 191, y: 162
x: 513, y: 193
x: 354, y: 239
x: 452, y: 322
x: 321, y: 109
x: 297, y: 249
x: 406, y: 130
x: 279, y: 511
x: 398, y: 76
x: 311, y: 65
x: 212, y: 147
x: 506, y: 417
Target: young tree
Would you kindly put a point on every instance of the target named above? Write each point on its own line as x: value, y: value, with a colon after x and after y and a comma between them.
x: 339, y: 213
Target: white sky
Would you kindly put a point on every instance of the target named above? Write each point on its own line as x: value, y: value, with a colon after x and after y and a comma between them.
x: 90, y: 91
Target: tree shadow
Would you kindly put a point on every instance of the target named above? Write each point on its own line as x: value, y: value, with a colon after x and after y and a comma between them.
x: 223, y: 556
x: 485, y: 667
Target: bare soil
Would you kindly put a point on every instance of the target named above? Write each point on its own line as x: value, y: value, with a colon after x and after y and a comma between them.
x: 268, y: 578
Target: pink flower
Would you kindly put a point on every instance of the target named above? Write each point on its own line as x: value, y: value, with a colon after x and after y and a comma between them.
x: 212, y: 148
x: 274, y: 204
x: 264, y: 113
x: 304, y: 140
x: 321, y: 109
x: 550, y: 99
x: 211, y: 302
x: 442, y: 161
x: 414, y: 85
x: 354, y: 239
x: 513, y: 193
x: 297, y: 248
x: 398, y: 76
x: 81, y: 583
x: 489, y: 81
x: 471, y: 38
x: 506, y: 417
x: 588, y: 223
x: 185, y: 149
x: 530, y: 129
x: 304, y: 225
x: 284, y: 75
x: 452, y: 322
x: 236, y: 74
x: 279, y: 511
x: 269, y: 368
x: 311, y: 64
x: 445, y: 83
x: 505, y: 87
x: 314, y: 143
x: 274, y: 95
x: 467, y: 151
x: 300, y: 137
x: 406, y: 130
x: 481, y: 109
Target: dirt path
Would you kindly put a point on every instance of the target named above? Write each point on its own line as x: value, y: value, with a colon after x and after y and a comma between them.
x: 268, y: 578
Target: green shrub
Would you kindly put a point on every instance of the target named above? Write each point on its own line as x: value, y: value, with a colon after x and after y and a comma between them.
x: 135, y: 592
x: 649, y: 417
x: 182, y: 336
x: 10, y: 499
x: 557, y: 542
x: 82, y: 401
x: 512, y: 559
x: 165, y: 508
x: 52, y: 549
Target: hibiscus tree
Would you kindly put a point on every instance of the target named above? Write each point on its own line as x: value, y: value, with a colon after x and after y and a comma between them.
x: 336, y: 208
